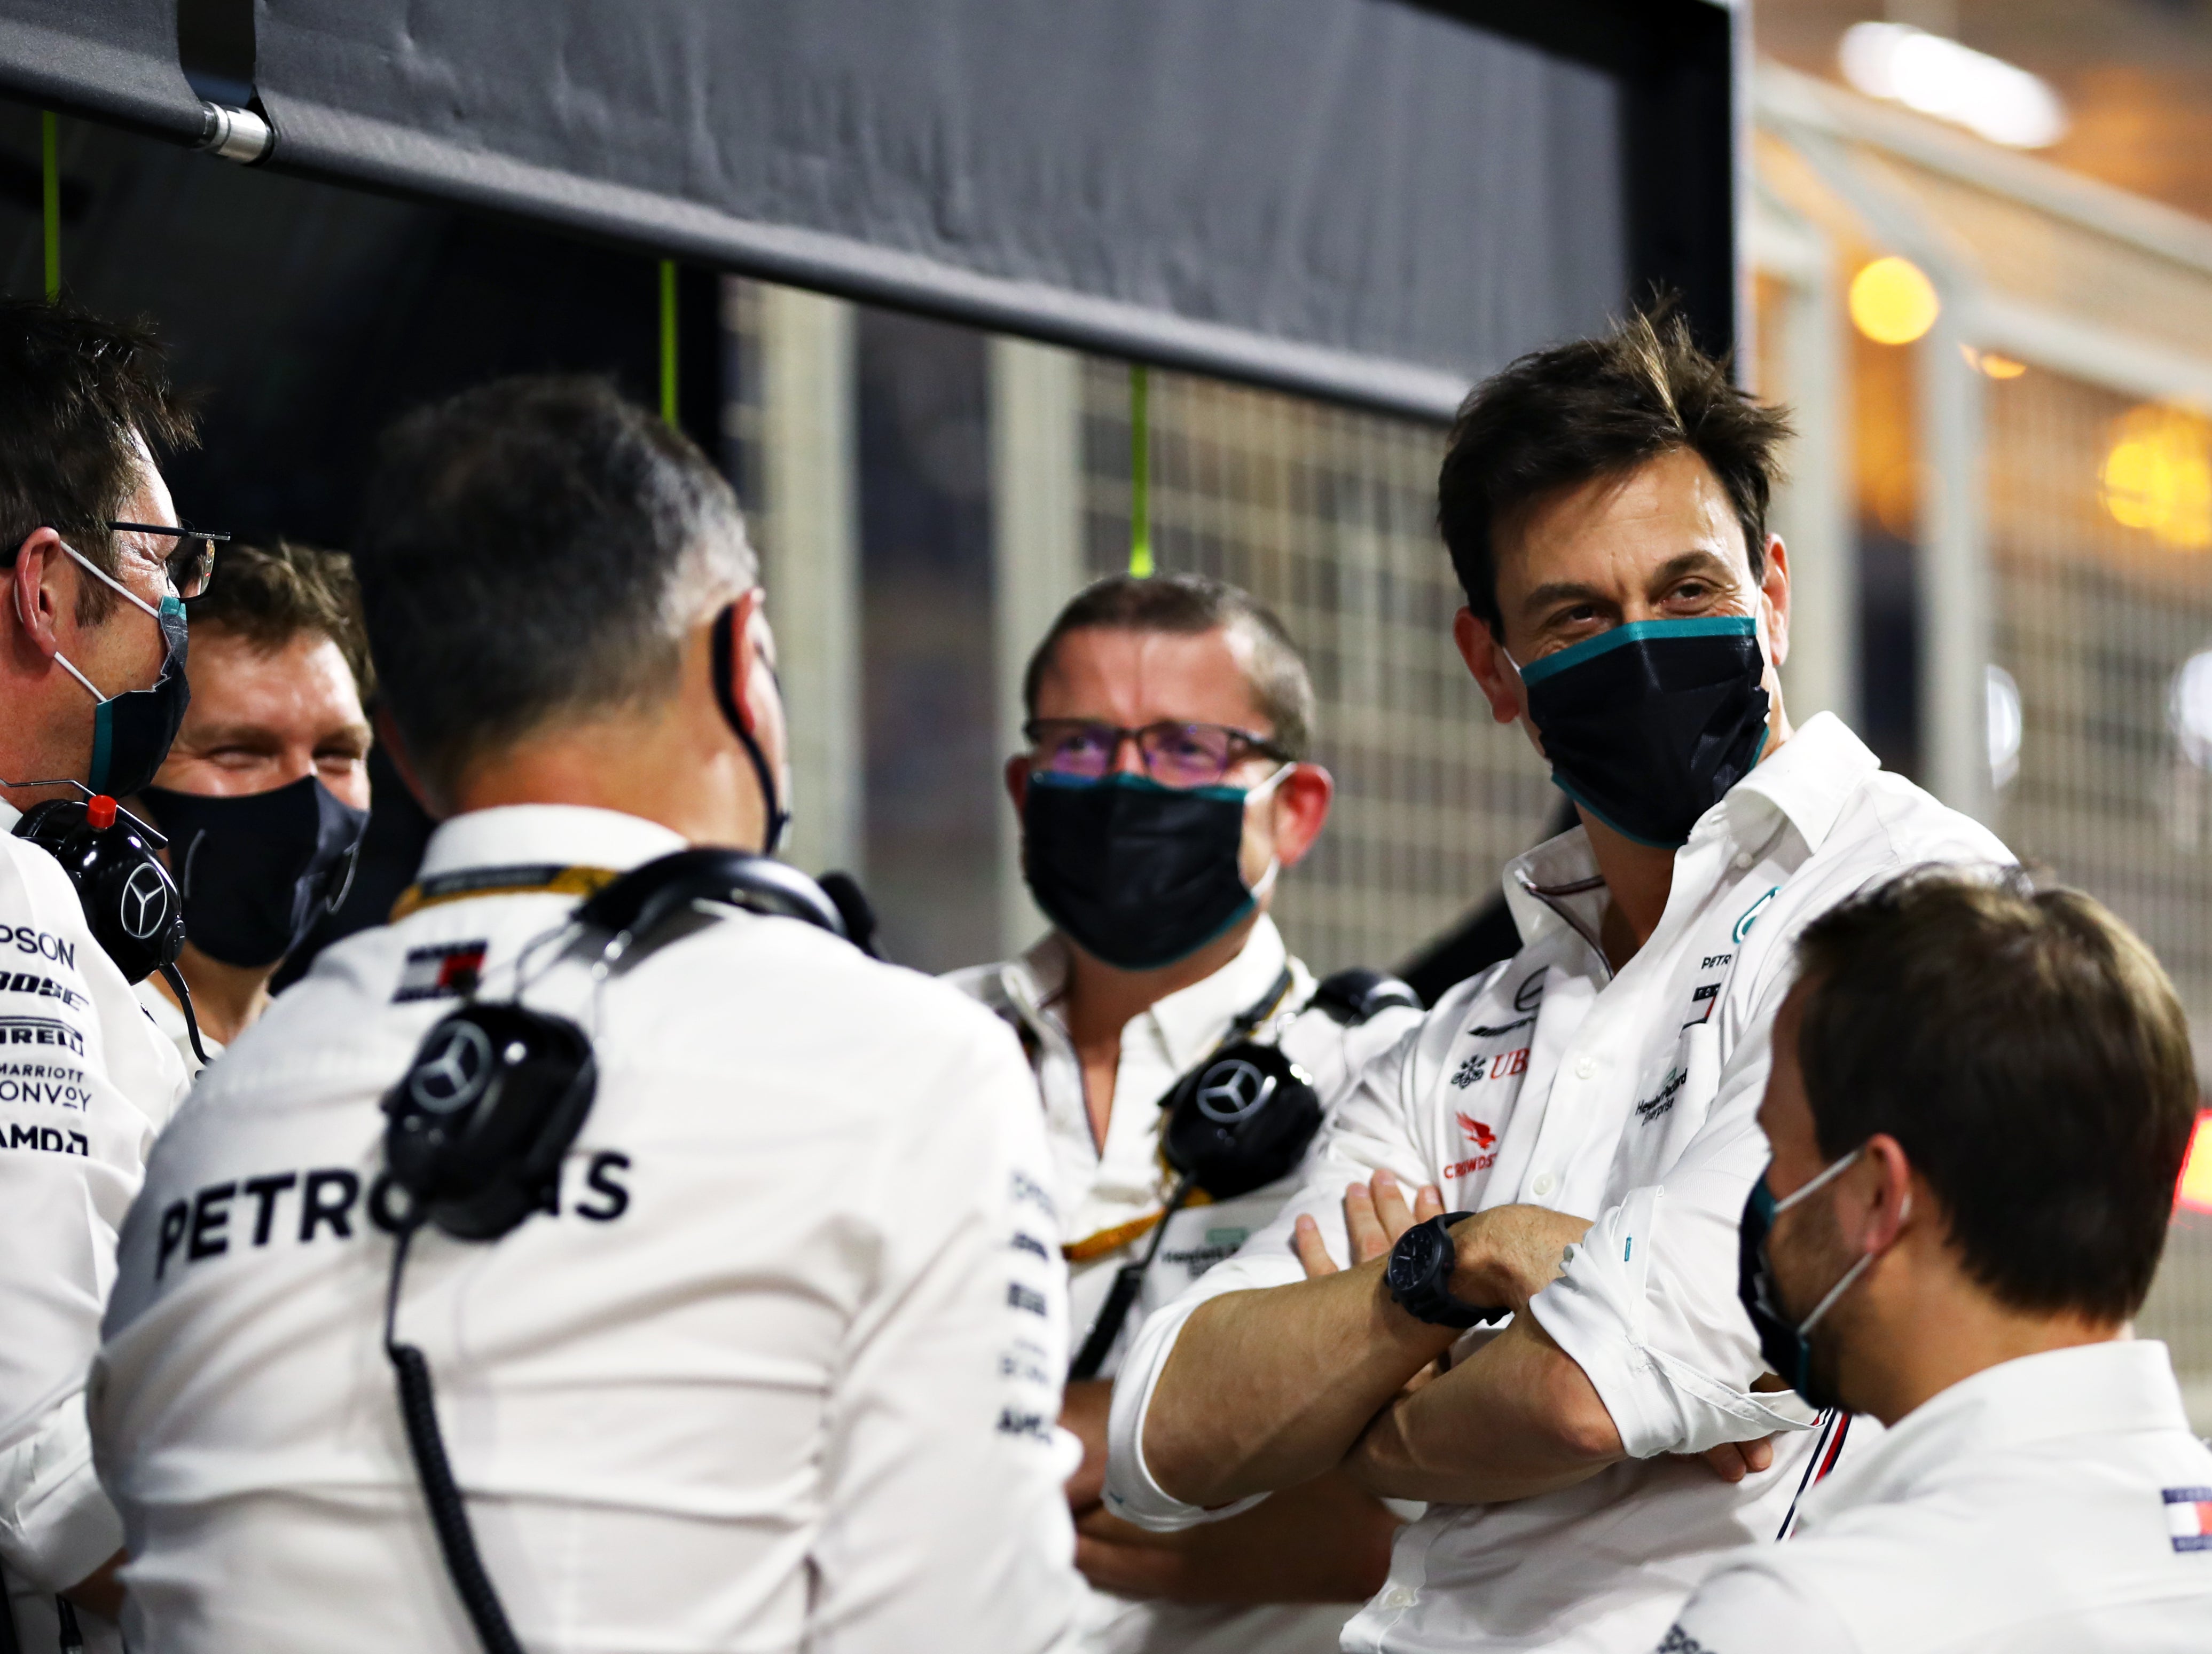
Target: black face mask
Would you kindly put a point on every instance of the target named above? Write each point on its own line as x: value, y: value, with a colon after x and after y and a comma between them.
x: 258, y: 870
x: 1136, y: 874
x: 131, y: 732
x: 1648, y: 725
x: 1786, y: 1344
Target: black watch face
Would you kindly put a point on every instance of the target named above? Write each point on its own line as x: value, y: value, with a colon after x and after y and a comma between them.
x: 1413, y: 1261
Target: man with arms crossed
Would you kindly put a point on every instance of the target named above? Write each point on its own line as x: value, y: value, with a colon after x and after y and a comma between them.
x: 92, y: 648
x: 1604, y: 503
x: 264, y: 795
x: 733, y: 1384
x: 1980, y: 1098
x: 1164, y: 791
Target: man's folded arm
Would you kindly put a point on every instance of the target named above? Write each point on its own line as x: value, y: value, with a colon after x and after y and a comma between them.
x: 1258, y: 1378
x: 1647, y: 1308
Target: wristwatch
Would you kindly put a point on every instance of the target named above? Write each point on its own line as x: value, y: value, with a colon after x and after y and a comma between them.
x: 1420, y: 1271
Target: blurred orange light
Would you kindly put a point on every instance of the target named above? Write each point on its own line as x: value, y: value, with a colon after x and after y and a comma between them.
x: 1891, y: 302
x: 2157, y: 475
x: 2195, y: 1190
x: 1989, y: 363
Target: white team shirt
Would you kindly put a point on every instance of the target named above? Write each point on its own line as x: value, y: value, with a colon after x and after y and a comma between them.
x: 2057, y: 1503
x: 85, y: 1084
x: 780, y: 1371
x: 1550, y: 1080
x: 1109, y: 1188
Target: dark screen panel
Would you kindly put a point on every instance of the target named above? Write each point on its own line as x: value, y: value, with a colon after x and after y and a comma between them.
x: 1359, y: 197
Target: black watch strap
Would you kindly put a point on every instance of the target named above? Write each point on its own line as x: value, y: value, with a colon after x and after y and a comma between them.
x: 1419, y: 1275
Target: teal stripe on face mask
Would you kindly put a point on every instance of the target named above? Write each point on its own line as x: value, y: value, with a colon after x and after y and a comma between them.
x: 1134, y: 783
x: 1713, y: 625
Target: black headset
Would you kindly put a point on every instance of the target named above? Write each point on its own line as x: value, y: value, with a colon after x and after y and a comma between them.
x: 1236, y: 1122
x: 475, y: 1130
x: 130, y: 904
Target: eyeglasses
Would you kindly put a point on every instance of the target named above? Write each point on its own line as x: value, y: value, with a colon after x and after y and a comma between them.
x: 191, y: 565
x: 1173, y: 754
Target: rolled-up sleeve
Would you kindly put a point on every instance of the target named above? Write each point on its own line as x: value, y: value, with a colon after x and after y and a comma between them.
x: 1647, y: 1304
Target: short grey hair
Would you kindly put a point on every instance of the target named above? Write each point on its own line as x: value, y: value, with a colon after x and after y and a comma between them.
x: 1187, y: 604
x: 532, y: 549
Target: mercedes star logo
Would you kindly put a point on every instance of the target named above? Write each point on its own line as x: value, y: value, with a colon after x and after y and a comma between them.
x: 453, y: 1072
x: 1233, y: 1090
x: 144, y: 903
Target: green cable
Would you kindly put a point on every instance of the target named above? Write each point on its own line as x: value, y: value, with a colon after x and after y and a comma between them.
x: 668, y: 341
x: 1140, y: 474
x: 52, y: 160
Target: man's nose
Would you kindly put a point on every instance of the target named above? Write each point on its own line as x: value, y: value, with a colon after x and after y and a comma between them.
x: 1128, y: 757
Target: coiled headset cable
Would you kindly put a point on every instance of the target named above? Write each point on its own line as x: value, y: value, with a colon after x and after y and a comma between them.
x: 418, y: 1410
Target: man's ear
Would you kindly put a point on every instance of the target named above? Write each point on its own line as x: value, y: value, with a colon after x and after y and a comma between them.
x: 1302, y: 800
x: 1493, y: 674
x: 395, y: 748
x: 1892, y: 1202
x: 1774, y: 599
x: 736, y: 656
x: 1017, y: 781
x: 40, y: 590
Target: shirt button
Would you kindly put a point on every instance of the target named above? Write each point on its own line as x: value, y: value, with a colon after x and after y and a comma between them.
x: 1742, y: 860
x: 1400, y: 1597
x: 1585, y: 1066
x: 1545, y: 1183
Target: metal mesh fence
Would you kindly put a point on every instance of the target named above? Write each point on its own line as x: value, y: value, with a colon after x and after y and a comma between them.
x: 2104, y: 594
x: 1328, y: 517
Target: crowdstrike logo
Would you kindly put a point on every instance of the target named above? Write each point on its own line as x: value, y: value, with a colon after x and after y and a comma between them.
x: 1477, y: 1133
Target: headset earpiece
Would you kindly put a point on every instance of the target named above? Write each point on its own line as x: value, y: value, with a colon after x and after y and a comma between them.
x: 1240, y: 1119
x: 644, y: 899
x: 131, y: 903
x: 476, y: 1128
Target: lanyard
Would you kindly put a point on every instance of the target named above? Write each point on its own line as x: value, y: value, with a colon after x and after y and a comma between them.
x: 548, y: 878
x: 1103, y: 1241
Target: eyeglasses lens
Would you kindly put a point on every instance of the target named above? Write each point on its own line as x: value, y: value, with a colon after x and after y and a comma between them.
x: 1185, y: 754
x: 1083, y: 750
x: 191, y: 565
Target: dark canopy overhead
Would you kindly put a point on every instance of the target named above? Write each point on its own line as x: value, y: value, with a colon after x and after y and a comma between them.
x: 1373, y: 200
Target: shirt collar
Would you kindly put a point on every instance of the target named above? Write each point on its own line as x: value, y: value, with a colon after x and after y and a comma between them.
x: 563, y: 835
x: 1559, y: 866
x: 1189, y: 1021
x: 1809, y: 779
x: 9, y: 816
x: 1192, y: 1020
x: 2121, y: 1386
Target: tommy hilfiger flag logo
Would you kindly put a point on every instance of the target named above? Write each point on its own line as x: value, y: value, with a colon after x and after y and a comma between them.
x: 2189, y: 1517
x: 447, y: 971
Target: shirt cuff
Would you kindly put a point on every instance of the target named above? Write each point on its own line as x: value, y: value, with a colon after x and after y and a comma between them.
x: 1598, y: 1312
x: 56, y: 1526
x: 1131, y: 1492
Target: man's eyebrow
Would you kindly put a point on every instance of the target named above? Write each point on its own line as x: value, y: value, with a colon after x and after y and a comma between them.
x: 237, y: 734
x: 1692, y: 563
x: 1559, y: 591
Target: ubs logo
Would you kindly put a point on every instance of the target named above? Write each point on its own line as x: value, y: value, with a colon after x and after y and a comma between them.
x: 1233, y: 1091
x: 143, y: 903
x: 452, y: 1076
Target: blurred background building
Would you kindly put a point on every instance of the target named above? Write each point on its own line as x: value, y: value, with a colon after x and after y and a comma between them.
x: 1978, y: 241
